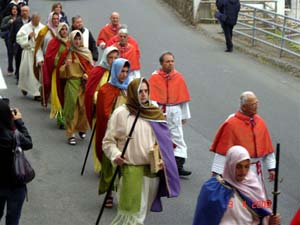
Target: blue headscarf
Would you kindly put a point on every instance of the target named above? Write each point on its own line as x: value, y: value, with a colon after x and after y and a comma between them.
x: 116, y: 69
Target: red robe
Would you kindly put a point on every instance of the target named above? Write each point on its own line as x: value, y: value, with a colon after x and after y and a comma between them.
x: 168, y: 89
x: 131, y: 53
x: 95, y: 76
x: 107, y: 95
x: 106, y: 33
x: 240, y: 130
x: 296, y: 219
x: 53, y: 53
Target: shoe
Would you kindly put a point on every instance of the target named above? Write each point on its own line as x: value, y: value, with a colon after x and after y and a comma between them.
x: 72, y: 141
x: 82, y: 135
x: 183, y: 172
x: 9, y: 73
x: 229, y: 50
x: 37, y: 98
x: 109, y: 202
x: 61, y: 127
x: 24, y: 92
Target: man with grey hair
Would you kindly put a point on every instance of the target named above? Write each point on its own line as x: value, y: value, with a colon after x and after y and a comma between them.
x: 130, y: 52
x: 248, y: 129
x: 26, y: 38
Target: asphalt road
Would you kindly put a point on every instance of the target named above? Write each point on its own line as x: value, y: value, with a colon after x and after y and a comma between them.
x: 59, y: 195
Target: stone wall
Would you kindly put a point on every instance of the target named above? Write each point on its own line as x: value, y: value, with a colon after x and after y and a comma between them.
x: 184, y: 7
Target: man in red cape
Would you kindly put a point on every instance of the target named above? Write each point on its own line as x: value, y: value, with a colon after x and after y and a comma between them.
x: 245, y: 128
x: 169, y: 90
x: 130, y: 52
x: 109, y: 30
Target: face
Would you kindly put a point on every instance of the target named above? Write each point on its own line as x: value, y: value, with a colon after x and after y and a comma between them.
x: 35, y: 20
x: 123, y: 39
x: 111, y: 57
x: 250, y: 106
x: 14, y: 11
x: 25, y: 12
x: 63, y: 32
x: 78, y: 24
x: 115, y: 19
x: 55, y: 20
x: 58, y: 9
x: 242, y: 169
x: 144, y: 93
x: 167, y: 64
x: 77, y: 42
x: 123, y: 74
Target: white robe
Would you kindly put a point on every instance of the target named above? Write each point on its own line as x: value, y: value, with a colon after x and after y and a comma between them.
x: 175, y: 114
x: 27, y: 80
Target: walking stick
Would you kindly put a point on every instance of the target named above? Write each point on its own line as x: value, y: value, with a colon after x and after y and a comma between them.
x: 43, y: 88
x: 276, y: 192
x: 117, y: 169
x: 88, y: 150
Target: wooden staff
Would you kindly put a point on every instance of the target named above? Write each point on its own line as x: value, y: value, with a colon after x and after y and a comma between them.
x: 275, y: 191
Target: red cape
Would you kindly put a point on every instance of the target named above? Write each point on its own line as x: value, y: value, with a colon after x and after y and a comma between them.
x: 48, y: 67
x: 171, y: 90
x: 237, y: 130
x: 107, y: 95
x: 131, y: 53
x: 95, y: 76
x: 296, y: 219
x: 106, y: 33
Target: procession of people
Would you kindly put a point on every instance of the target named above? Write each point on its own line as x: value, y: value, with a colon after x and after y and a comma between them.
x: 56, y: 64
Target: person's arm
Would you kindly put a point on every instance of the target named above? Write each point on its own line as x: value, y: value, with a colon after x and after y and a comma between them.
x: 23, y: 38
x: 185, y: 111
x: 270, y: 162
x: 6, y: 23
x: 218, y: 164
x: 115, y: 132
x: 93, y: 47
x: 24, y: 136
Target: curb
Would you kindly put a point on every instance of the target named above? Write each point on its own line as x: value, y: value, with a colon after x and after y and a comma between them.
x: 286, y: 66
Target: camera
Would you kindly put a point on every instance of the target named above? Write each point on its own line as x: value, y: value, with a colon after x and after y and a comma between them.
x: 6, y: 101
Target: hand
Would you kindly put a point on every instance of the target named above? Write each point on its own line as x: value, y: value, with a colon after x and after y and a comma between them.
x: 119, y: 161
x: 68, y: 62
x: 102, y: 45
x: 16, y: 114
x: 183, y: 121
x: 161, y: 164
x: 41, y: 63
x: 85, y: 76
x: 271, y: 175
x: 31, y: 35
x: 275, y: 219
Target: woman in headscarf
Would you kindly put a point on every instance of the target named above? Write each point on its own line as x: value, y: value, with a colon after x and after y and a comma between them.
x: 98, y: 76
x: 236, y: 198
x: 141, y: 187
x: 110, y: 96
x: 55, y: 53
x: 76, y: 66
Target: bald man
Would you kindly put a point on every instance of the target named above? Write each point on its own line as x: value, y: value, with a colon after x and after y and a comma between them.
x: 248, y: 129
x: 109, y: 30
x: 26, y: 38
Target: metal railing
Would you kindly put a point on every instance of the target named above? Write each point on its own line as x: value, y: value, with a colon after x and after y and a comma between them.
x: 270, y: 28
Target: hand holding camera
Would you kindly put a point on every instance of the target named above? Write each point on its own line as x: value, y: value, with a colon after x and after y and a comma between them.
x: 16, y: 114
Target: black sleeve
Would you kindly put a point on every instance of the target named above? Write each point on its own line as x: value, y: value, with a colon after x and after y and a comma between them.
x: 25, y: 138
x: 93, y: 47
x: 220, y: 5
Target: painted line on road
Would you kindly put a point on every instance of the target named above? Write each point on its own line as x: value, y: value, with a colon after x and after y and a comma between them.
x: 2, y: 81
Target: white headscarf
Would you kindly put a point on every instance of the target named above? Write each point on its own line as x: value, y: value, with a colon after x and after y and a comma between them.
x: 250, y: 186
x: 103, y: 62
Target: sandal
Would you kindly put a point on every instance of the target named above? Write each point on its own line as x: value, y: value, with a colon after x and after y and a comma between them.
x: 72, y: 141
x: 82, y: 135
x: 109, y: 202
